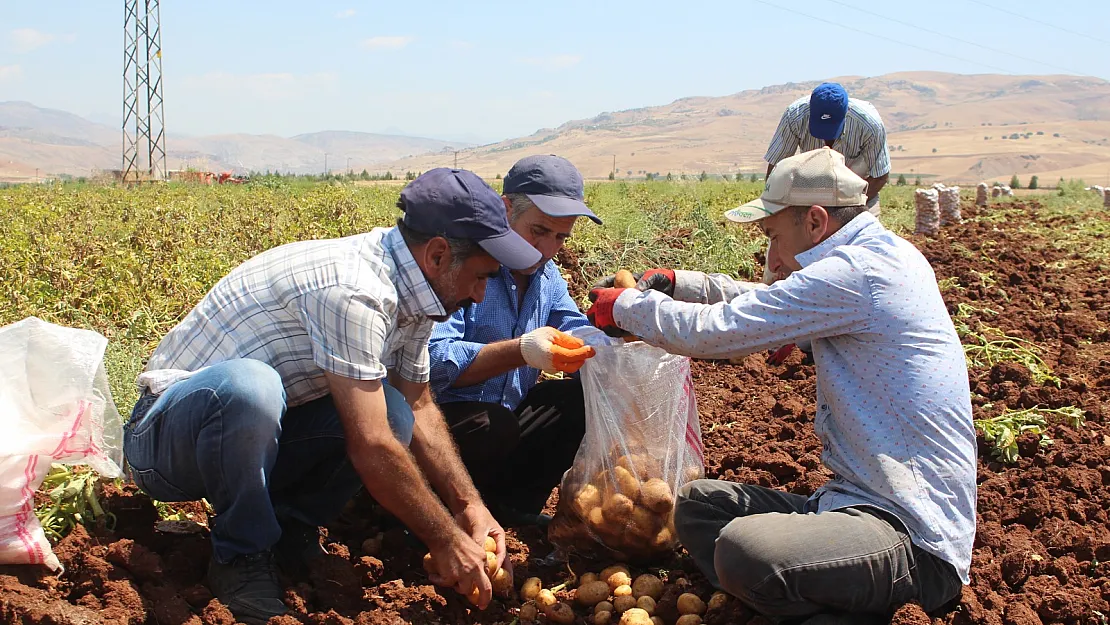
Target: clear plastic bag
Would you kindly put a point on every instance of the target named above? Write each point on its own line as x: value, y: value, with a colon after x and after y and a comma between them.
x: 642, y: 442
x: 55, y: 407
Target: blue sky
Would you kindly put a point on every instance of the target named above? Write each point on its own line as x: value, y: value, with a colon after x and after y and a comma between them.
x: 492, y: 70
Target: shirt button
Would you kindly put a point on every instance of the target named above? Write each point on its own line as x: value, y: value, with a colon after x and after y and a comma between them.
x: 514, y: 287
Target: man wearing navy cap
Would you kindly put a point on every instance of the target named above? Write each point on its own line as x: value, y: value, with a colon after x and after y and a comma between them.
x: 517, y: 437
x: 303, y: 375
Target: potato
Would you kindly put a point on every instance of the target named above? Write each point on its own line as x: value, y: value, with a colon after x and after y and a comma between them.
x: 689, y: 603
x: 656, y: 496
x: 586, y: 578
x: 717, y: 601
x: 531, y: 588
x: 622, y: 589
x: 588, y: 498
x: 655, y: 620
x: 608, y: 571
x: 602, y: 618
x: 491, y: 545
x: 592, y: 593
x: 663, y: 540
x: 528, y: 613
x: 646, y: 603
x: 647, y: 585
x: 635, y: 616
x: 429, y: 563
x: 626, y: 483
x: 642, y: 523
x: 623, y: 604
x: 491, y: 564
x: 473, y: 596
x: 642, y: 466
x: 502, y: 582
x: 604, y: 606
x: 560, y: 613
x: 688, y: 619
x: 624, y: 279
x: 617, y: 509
x: 545, y: 599
x: 373, y: 546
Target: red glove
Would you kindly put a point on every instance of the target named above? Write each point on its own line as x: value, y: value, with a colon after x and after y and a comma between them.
x: 601, y: 313
x: 781, y: 354
x: 661, y: 280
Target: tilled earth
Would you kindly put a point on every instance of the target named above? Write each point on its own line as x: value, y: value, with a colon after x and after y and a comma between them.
x: 1043, y: 537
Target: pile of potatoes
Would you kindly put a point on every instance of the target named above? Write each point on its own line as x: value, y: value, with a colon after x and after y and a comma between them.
x: 613, y: 597
x: 628, y: 507
x: 500, y: 579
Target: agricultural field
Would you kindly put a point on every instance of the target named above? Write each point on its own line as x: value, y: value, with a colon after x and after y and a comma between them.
x: 1026, y: 283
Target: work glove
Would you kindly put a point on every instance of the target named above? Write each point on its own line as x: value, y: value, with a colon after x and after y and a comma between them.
x: 661, y: 280
x: 781, y: 354
x: 550, y: 350
x: 601, y: 313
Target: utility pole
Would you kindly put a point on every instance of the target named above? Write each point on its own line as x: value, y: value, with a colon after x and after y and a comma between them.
x: 614, y: 167
x: 144, y: 133
x: 348, y: 165
x: 456, y: 159
x: 325, y: 164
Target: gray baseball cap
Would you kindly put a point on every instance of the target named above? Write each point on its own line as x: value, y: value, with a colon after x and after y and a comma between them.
x: 552, y: 183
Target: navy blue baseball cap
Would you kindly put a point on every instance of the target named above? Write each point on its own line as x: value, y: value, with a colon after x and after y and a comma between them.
x: 458, y: 204
x: 828, y: 105
x: 553, y: 185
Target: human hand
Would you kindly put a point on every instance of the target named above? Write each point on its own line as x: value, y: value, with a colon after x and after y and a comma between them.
x: 609, y: 281
x: 550, y: 350
x: 460, y: 563
x: 781, y: 354
x: 601, y: 313
x: 662, y: 280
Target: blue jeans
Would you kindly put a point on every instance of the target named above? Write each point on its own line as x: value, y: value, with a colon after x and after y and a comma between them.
x: 226, y: 435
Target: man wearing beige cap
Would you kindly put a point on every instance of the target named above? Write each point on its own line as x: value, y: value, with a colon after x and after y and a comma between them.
x: 896, y: 522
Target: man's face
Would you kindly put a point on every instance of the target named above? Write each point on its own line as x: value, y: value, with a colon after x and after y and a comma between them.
x: 463, y: 284
x: 791, y: 235
x: 545, y: 233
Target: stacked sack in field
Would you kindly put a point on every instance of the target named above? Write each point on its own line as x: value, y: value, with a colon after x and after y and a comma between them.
x: 1106, y: 200
x: 1007, y: 191
x: 996, y: 191
x: 981, y: 195
x: 927, y: 202
x: 950, y: 206
x: 1101, y: 191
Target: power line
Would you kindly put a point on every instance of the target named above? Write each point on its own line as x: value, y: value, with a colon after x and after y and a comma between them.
x: 1006, y: 11
x: 964, y: 41
x: 878, y: 36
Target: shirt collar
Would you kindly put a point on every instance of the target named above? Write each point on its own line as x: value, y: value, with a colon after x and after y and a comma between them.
x: 844, y: 236
x: 416, y: 294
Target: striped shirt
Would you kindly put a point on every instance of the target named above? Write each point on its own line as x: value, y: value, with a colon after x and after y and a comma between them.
x: 354, y: 307
x: 862, y: 142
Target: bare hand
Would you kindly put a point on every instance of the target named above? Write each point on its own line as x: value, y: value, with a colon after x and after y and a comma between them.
x: 477, y: 521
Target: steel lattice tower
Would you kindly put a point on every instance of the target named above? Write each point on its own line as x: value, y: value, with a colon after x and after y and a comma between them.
x: 144, y: 133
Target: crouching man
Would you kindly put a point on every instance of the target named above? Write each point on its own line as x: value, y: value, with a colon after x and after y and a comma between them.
x: 303, y: 375
x: 517, y: 437
x: 897, y: 522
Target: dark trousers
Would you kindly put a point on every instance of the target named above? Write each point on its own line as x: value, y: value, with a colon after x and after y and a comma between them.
x: 761, y: 546
x: 516, y: 457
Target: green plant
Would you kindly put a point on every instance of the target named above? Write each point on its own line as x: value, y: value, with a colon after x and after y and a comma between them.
x: 1003, y: 431
x: 987, y: 346
x: 1033, y: 182
x: 72, y: 500
x: 901, y: 180
x: 1014, y: 182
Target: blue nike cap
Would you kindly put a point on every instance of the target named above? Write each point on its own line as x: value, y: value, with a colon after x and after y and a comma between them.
x: 828, y: 105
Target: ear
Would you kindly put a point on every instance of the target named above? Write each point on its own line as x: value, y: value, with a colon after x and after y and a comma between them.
x: 817, y: 223
x: 508, y: 208
x: 435, y: 258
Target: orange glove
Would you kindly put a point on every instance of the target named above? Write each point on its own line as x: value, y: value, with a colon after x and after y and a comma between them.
x: 550, y: 350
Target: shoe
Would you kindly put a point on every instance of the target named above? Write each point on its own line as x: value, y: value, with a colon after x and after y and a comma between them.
x: 299, y: 544
x: 248, y: 586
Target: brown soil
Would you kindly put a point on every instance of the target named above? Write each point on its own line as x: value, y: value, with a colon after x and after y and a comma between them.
x: 1041, y: 553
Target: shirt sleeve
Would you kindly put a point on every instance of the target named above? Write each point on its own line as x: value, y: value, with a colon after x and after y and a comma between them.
x: 701, y: 288
x: 564, y: 314
x: 450, y: 353
x: 412, y: 359
x: 348, y: 329
x: 876, y: 152
x: 828, y: 298
x: 786, y: 139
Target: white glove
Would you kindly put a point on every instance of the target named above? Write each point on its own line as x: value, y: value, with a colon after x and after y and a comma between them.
x: 550, y: 350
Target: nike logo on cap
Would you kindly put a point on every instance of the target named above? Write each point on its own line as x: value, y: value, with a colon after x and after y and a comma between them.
x: 826, y: 116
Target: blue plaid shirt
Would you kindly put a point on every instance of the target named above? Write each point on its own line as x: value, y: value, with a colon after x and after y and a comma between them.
x: 456, y: 342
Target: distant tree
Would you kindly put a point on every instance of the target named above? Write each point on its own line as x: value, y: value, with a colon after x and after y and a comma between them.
x: 365, y: 175
x: 703, y: 177
x: 1033, y: 183
x: 1060, y: 183
x: 1015, y: 136
x: 727, y: 177
x: 682, y: 176
x: 986, y: 138
x: 917, y: 183
x: 1015, y: 183
x: 934, y: 150
x: 901, y: 180
x: 1040, y: 132
x: 669, y: 176
x: 1056, y: 134
x: 388, y: 176
x: 409, y: 175
x: 755, y: 178
x: 649, y: 176
x: 612, y: 176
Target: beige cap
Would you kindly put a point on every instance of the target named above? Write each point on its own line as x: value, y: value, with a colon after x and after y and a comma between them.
x: 815, y: 178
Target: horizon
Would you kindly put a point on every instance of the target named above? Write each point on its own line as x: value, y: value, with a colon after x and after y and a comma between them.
x: 366, y: 69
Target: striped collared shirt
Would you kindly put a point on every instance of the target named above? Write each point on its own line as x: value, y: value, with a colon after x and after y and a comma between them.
x: 354, y: 307
x: 862, y: 142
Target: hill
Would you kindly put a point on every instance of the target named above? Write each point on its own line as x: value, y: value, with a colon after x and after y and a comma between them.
x: 962, y: 128
x: 57, y: 142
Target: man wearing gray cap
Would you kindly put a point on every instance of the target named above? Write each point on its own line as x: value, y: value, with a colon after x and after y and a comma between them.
x: 896, y: 523
x: 303, y: 376
x: 517, y: 437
